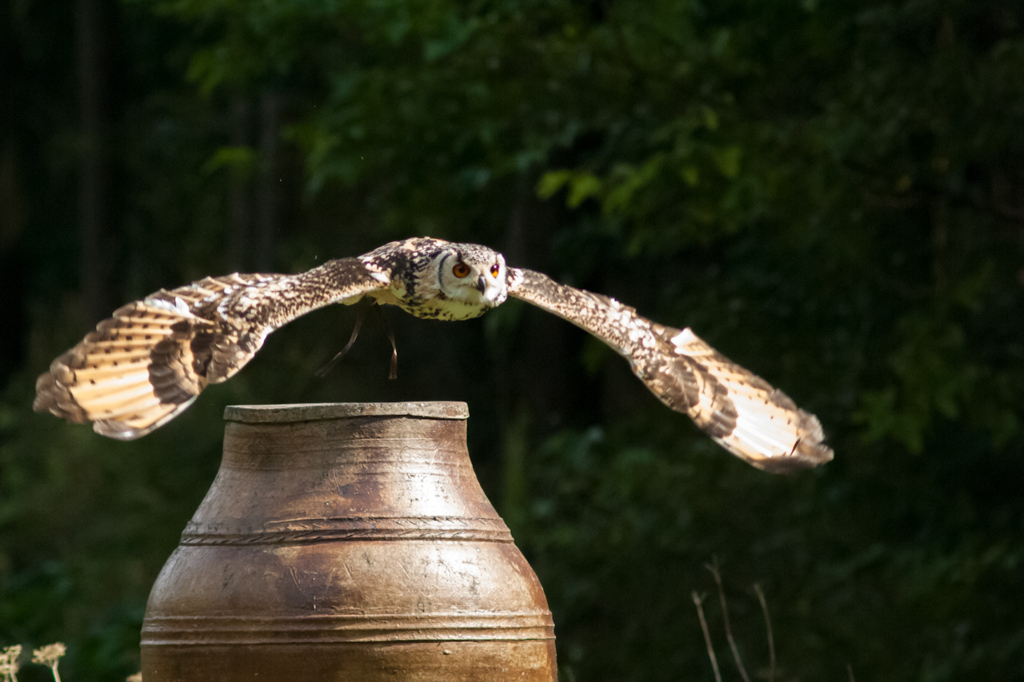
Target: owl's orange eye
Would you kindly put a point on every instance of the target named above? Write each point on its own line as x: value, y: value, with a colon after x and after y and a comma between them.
x: 460, y: 270
x: 495, y: 270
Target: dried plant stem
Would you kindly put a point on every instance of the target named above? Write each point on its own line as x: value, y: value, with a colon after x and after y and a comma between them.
x: 771, y: 638
x: 9, y: 663
x: 50, y: 656
x: 707, y: 636
x: 713, y: 568
x: 849, y: 672
x: 768, y: 630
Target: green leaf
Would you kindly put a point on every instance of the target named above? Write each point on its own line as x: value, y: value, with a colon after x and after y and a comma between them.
x: 630, y: 181
x: 241, y: 160
x: 690, y: 175
x: 551, y: 182
x: 582, y: 186
x: 710, y: 118
x: 728, y: 161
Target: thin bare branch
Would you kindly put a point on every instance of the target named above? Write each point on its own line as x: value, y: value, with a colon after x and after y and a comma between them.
x: 707, y: 636
x: 768, y: 630
x: 849, y: 672
x: 713, y: 568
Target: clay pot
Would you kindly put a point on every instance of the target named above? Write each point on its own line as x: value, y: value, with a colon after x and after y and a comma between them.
x: 347, y: 542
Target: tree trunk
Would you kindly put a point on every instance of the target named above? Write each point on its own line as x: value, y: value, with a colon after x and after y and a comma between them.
x: 267, y: 203
x: 240, y: 207
x: 93, y: 29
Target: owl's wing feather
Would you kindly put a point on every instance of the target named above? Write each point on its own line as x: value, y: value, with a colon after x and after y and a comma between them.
x: 149, y: 361
x: 739, y: 410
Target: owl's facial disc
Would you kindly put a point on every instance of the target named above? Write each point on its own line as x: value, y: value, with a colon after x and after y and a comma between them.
x: 491, y: 282
x: 472, y: 277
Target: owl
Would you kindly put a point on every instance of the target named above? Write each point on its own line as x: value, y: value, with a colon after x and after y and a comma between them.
x: 148, y: 362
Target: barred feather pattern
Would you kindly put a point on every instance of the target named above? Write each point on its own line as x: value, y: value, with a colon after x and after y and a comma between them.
x: 153, y: 357
x: 150, y: 360
x: 741, y: 411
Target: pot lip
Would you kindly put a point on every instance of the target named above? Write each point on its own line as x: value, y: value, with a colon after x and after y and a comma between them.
x: 301, y: 412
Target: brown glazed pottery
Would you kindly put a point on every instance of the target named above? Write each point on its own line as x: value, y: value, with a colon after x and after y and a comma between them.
x: 347, y: 542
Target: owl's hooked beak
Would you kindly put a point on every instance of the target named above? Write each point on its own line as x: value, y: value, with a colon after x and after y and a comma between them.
x: 481, y: 285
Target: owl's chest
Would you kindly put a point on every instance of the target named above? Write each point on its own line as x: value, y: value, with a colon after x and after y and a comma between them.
x: 420, y: 295
x: 443, y: 308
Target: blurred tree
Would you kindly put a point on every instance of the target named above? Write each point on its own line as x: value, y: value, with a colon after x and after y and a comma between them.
x: 831, y: 192
x: 95, y: 83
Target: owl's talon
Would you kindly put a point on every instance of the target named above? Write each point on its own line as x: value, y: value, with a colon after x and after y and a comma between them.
x: 393, y: 369
x: 323, y: 371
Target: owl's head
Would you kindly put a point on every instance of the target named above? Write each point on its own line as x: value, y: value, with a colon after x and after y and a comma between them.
x: 472, y: 274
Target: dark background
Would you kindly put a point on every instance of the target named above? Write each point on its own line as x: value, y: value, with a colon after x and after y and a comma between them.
x: 829, y: 191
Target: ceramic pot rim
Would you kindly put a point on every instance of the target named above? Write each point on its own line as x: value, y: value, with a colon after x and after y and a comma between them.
x: 302, y: 412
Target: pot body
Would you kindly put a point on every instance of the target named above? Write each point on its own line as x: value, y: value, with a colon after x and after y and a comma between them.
x: 347, y: 542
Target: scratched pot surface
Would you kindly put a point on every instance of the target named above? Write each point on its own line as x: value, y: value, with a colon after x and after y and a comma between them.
x: 347, y: 542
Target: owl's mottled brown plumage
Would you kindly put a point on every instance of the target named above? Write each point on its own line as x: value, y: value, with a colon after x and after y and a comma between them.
x: 152, y: 358
x: 737, y: 408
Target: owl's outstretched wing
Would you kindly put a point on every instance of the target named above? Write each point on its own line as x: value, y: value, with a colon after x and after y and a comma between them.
x: 739, y: 410
x: 149, y: 361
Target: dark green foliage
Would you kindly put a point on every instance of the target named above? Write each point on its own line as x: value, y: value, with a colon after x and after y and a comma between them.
x: 831, y: 192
